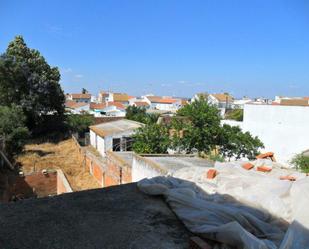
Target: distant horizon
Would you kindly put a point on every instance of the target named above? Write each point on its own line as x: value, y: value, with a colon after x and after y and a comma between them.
x: 255, y: 48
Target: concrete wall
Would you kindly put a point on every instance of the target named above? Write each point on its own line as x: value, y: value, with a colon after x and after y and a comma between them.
x: 144, y: 168
x: 92, y: 139
x: 282, y: 129
x: 63, y: 185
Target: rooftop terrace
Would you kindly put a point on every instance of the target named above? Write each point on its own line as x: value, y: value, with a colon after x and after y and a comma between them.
x: 114, y: 217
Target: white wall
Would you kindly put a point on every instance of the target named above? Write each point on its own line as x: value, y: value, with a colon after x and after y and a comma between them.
x: 92, y: 139
x: 282, y: 129
x: 101, y: 145
x: 141, y: 169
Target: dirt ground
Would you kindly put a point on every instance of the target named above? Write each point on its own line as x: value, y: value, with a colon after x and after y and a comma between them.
x: 62, y: 155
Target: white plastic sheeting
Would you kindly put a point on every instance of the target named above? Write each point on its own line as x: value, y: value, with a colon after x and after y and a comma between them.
x: 239, y: 208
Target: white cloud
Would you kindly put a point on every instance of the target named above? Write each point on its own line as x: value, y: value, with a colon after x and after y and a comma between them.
x: 66, y: 70
x: 78, y: 76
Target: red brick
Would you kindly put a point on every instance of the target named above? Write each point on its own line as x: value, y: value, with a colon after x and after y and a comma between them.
x: 289, y: 178
x: 97, y: 172
x: 264, y: 169
x: 110, y: 181
x: 265, y: 155
x: 248, y: 166
x: 211, y: 174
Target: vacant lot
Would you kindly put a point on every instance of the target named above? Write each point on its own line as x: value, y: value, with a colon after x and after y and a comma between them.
x: 62, y: 155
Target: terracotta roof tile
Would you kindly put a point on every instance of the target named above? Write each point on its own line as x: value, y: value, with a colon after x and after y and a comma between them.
x: 294, y: 102
x: 119, y: 105
x: 97, y: 106
x: 81, y: 95
x: 141, y: 103
x: 72, y: 104
x: 221, y: 97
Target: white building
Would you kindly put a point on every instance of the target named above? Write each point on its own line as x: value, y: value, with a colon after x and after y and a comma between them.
x: 163, y: 103
x: 282, y: 128
x: 222, y: 101
x: 76, y: 107
x: 113, y: 136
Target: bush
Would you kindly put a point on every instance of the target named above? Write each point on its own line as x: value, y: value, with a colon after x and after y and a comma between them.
x: 301, y: 162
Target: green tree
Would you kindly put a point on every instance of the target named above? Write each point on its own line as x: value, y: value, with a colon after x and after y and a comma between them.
x: 200, y: 123
x: 79, y: 123
x: 13, y: 131
x: 238, y: 144
x: 151, y: 139
x: 301, y: 162
x: 139, y: 114
x: 84, y: 91
x: 28, y: 81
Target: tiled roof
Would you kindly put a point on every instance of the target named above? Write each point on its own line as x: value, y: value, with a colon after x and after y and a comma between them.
x: 72, y: 104
x: 119, y: 105
x: 294, y: 102
x: 221, y: 97
x: 141, y: 103
x: 121, y: 97
x: 97, y: 106
x: 158, y: 99
x: 81, y: 95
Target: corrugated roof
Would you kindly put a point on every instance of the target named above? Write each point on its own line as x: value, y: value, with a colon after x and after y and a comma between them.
x: 115, y: 127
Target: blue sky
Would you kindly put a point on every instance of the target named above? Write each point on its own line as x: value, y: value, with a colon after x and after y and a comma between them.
x: 166, y: 47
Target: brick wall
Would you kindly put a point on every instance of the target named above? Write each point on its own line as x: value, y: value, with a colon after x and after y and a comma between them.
x: 112, y: 171
x: 36, y: 184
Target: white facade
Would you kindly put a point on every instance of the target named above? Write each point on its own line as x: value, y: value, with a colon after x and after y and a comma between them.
x: 113, y: 136
x: 80, y: 109
x: 104, y: 144
x: 282, y: 129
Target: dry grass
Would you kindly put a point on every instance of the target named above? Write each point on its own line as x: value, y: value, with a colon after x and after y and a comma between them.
x: 62, y: 155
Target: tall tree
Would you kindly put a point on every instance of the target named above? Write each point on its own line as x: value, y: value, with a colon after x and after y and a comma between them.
x: 237, y: 144
x: 139, y: 114
x: 13, y: 132
x: 28, y: 81
x: 152, y: 138
x: 200, y: 123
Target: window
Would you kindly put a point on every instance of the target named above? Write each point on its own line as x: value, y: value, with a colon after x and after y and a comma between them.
x: 116, y: 144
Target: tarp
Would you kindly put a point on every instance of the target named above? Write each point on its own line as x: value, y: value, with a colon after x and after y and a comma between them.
x: 239, y: 208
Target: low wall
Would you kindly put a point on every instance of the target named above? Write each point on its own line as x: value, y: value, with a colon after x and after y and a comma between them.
x: 118, y: 171
x: 63, y: 185
x: 40, y: 184
x: 145, y: 168
x: 108, y: 171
